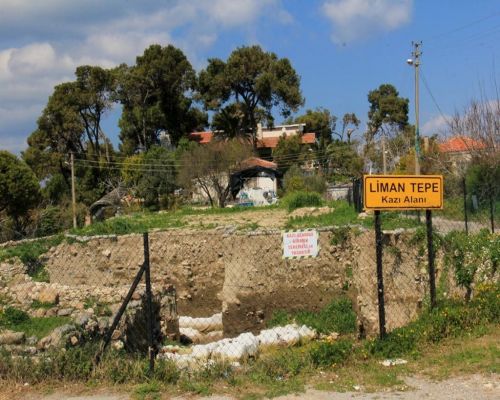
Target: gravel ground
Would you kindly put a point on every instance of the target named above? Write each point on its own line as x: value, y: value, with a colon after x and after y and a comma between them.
x: 476, y: 387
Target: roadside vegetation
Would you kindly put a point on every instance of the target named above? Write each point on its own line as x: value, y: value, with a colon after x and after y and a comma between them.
x: 17, y: 320
x: 457, y: 336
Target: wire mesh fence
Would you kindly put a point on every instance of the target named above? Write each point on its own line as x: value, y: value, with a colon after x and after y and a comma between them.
x: 229, y: 293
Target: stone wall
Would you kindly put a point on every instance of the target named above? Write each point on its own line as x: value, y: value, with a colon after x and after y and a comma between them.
x: 242, y: 274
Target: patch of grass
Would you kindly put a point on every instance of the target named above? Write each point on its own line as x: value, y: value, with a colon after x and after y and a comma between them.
x: 38, y: 272
x: 451, y: 318
x: 344, y: 214
x: 29, y: 252
x: 281, y: 371
x: 296, y: 200
x: 325, y: 354
x: 251, y: 226
x: 147, y: 391
x: 340, y: 236
x: 469, y: 355
x: 338, y: 317
x: 367, y: 374
x: 35, y: 304
x: 143, y: 221
x: 100, y: 308
x: 341, y: 214
x: 20, y: 321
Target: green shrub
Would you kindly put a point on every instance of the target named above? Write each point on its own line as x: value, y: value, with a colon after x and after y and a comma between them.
x: 11, y: 317
x: 325, y: 354
x: 29, y: 252
x: 295, y: 181
x: 340, y: 235
x: 338, y: 316
x: 473, y: 258
x: 296, y: 200
x: 285, y: 364
x: 450, y: 319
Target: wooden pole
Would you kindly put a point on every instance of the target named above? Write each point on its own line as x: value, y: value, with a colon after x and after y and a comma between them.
x: 73, y: 190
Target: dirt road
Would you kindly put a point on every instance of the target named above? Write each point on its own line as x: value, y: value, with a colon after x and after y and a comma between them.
x: 477, y: 387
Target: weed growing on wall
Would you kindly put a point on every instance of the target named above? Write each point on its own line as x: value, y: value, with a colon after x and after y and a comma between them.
x: 473, y: 258
x: 338, y: 317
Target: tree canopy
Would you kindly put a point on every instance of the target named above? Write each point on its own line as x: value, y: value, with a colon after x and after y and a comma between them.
x: 208, y: 168
x: 386, y: 107
x: 155, y: 95
x: 19, y: 188
x: 244, y: 90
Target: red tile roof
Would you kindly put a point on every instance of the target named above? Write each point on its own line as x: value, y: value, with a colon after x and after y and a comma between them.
x: 258, y: 162
x: 458, y: 144
x: 202, y: 137
x: 272, y: 142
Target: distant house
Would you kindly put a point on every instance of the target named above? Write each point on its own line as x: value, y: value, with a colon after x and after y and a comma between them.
x: 254, y: 175
x: 459, y: 151
x: 267, y: 138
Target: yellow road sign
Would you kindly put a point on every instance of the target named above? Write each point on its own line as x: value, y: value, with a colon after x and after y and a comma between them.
x: 402, y: 192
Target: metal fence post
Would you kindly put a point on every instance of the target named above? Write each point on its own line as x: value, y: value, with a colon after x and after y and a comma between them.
x: 380, y: 275
x: 118, y: 316
x: 430, y: 253
x: 465, y: 207
x: 149, y: 302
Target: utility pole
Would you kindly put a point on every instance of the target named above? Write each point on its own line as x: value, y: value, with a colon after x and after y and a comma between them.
x: 415, y: 61
x: 73, y: 191
x: 384, y: 161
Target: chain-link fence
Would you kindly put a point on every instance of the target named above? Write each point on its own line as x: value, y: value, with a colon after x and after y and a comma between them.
x: 229, y: 293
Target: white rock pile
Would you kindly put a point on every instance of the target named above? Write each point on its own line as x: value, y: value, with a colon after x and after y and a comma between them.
x: 239, y: 348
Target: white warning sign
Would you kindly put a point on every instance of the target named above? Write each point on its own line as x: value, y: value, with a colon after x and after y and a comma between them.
x: 300, y: 244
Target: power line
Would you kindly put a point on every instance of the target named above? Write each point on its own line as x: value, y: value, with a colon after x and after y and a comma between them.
x: 433, y: 98
x: 173, y: 163
x: 285, y: 161
x: 462, y: 27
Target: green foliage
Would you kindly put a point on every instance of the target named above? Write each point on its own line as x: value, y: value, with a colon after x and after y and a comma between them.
x: 29, y: 252
x: 122, y: 225
x: 207, y: 169
x: 326, y: 354
x: 151, y: 183
x: 296, y: 200
x: 386, y: 107
x: 482, y: 179
x: 154, y: 94
x: 344, y: 214
x: 19, y: 188
x: 18, y: 320
x: 35, y: 304
x: 50, y: 221
x: 56, y: 189
x: 473, y: 257
x: 244, y: 89
x: 289, y: 151
x: 11, y: 317
x: 38, y: 272
x: 343, y: 159
x: 449, y: 319
x: 340, y: 235
x: 321, y: 122
x: 294, y: 180
x: 101, y: 309
x: 338, y: 316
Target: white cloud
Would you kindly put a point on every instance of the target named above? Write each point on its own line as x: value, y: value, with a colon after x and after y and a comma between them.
x: 104, y: 33
x: 438, y: 124
x: 358, y: 19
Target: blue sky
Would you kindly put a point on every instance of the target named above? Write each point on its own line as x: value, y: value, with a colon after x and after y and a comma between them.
x: 340, y: 48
